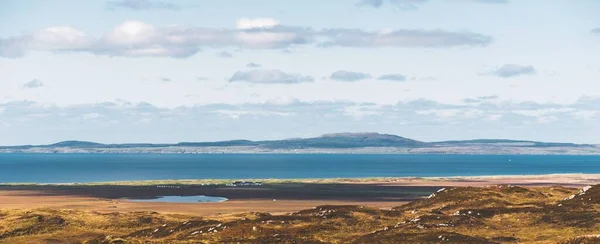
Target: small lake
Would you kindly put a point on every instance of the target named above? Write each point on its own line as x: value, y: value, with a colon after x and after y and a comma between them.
x: 181, y: 199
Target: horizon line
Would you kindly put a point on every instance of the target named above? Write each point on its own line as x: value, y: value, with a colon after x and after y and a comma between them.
x: 297, y: 138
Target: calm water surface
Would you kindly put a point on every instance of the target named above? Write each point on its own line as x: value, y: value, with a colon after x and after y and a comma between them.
x: 54, y: 168
x: 184, y: 199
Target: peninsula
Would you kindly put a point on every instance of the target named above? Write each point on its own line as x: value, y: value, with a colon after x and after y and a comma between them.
x: 358, y: 143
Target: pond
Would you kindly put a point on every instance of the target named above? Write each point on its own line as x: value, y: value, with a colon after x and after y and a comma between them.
x: 182, y: 199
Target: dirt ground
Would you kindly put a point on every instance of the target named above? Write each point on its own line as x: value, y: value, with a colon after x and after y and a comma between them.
x: 28, y: 200
x: 273, y: 198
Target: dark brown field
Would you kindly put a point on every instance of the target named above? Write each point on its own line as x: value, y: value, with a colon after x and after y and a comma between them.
x: 273, y: 198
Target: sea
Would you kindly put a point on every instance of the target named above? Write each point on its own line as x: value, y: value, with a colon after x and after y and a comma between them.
x: 83, y: 168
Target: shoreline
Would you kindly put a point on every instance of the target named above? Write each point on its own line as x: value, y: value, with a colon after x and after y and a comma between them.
x: 275, y: 196
x: 315, y: 153
x: 271, y: 198
x: 558, y: 179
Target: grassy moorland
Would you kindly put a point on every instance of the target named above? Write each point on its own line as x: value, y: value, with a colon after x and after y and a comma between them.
x: 496, y: 214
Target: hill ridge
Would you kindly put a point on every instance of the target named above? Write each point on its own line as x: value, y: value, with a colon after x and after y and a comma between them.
x: 343, y: 142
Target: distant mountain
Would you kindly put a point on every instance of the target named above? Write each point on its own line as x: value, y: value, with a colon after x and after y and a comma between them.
x: 506, y: 142
x: 328, y: 143
x: 345, y: 140
x: 339, y: 140
x: 81, y: 144
x: 219, y: 143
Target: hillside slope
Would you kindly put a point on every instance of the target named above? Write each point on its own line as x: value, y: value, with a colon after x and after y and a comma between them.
x: 497, y: 214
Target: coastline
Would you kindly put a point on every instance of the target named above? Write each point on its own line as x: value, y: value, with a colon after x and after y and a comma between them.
x: 542, y: 179
x: 275, y: 196
x: 366, y: 151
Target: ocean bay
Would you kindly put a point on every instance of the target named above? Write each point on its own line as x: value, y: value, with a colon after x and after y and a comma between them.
x: 82, y: 168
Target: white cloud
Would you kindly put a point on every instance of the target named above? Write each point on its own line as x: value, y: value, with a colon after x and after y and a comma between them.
x: 59, y: 38
x: 415, y: 38
x: 91, y: 116
x: 253, y: 65
x: 236, y: 114
x: 35, y: 83
x: 282, y: 101
x: 132, y: 33
x: 13, y: 47
x: 586, y: 114
x: 359, y: 112
x: 266, y: 39
x: 248, y: 23
x: 224, y: 54
x: 547, y: 119
x: 262, y: 76
x: 370, y: 3
x: 453, y: 113
x: 349, y: 76
x: 393, y: 77
x: 414, y: 4
x: 543, y: 112
x: 138, y: 5
x: 139, y: 39
x: 512, y: 70
x: 493, y: 117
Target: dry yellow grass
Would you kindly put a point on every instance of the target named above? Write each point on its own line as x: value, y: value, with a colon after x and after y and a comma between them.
x: 497, y: 214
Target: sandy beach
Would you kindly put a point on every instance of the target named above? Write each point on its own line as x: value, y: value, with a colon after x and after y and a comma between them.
x: 275, y: 196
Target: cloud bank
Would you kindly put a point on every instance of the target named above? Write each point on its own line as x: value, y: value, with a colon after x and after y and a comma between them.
x: 402, y: 38
x: 273, y: 76
x: 414, y: 4
x: 121, y: 121
x: 224, y: 54
x: 512, y: 70
x: 35, y: 83
x: 342, y: 75
x: 370, y: 3
x: 140, y: 39
x: 253, y: 65
x: 393, y: 77
x: 139, y: 5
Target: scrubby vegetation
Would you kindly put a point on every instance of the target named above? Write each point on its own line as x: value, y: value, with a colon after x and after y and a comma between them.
x: 498, y: 214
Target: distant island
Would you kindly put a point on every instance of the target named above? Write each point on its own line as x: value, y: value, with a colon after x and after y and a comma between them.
x: 359, y: 143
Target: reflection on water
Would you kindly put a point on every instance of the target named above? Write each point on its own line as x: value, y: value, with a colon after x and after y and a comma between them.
x: 182, y: 199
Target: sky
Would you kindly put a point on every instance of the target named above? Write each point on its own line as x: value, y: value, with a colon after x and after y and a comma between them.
x: 119, y: 71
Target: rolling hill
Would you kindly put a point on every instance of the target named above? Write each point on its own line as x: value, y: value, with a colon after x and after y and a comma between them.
x: 327, y: 143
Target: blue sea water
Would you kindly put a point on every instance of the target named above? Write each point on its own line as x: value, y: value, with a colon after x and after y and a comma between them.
x: 62, y: 168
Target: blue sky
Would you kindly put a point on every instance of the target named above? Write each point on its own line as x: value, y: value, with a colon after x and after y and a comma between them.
x: 169, y: 71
